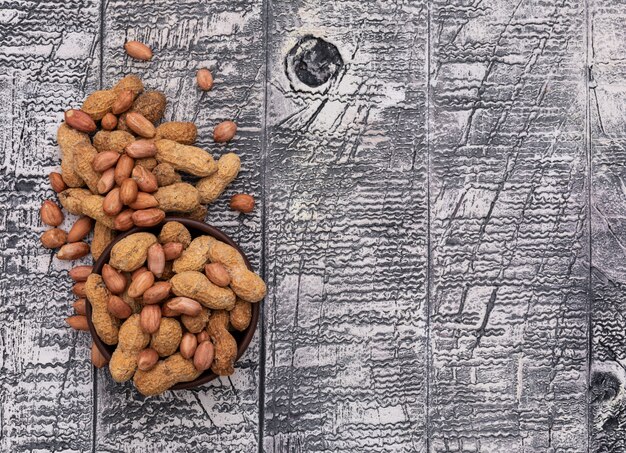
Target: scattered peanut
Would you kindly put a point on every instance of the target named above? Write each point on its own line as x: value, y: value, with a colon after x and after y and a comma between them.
x: 80, y: 229
x: 138, y: 50
x: 225, y: 131
x: 51, y: 214
x: 242, y: 202
x: 53, y: 238
x: 204, y: 78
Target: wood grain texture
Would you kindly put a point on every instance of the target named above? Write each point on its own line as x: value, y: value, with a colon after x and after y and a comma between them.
x: 346, y: 232
x: 509, y: 230
x: 48, y: 59
x: 226, y: 37
x: 606, y: 99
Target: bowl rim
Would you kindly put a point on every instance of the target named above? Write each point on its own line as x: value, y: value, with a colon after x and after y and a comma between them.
x: 246, y: 335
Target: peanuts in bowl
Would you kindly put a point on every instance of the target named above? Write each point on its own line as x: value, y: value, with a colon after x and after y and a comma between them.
x: 178, y: 329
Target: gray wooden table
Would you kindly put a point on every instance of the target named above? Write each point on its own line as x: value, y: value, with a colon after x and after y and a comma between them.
x: 441, y: 223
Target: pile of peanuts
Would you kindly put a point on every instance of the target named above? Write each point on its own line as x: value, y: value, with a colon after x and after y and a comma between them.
x: 121, y: 167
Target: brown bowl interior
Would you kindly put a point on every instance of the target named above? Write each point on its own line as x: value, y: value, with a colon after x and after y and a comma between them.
x: 196, y: 228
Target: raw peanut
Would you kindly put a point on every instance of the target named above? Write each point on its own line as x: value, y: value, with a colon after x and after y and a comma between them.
x: 217, y: 274
x: 132, y: 339
x: 188, y: 345
x: 128, y: 191
x: 172, y: 250
x: 213, y: 186
x: 79, y: 289
x: 104, y: 161
x: 184, y: 306
x: 197, y: 323
x: 150, y: 104
x: 130, y: 82
x: 124, y: 168
x: 112, y: 204
x: 106, y: 181
x: 194, y: 256
x: 225, y: 344
x: 137, y: 272
x: 165, y: 175
x: 98, y: 104
x: 140, y: 284
x: 224, y: 132
x: 72, y: 200
x: 124, y: 220
x: 168, y: 312
x: 118, y: 308
x: 175, y: 232
x: 73, y: 251
x: 84, y: 154
x: 68, y: 138
x: 197, y: 214
x: 157, y: 293
x: 138, y: 50
x: 147, y: 359
x: 149, y: 163
x: 97, y: 359
x: 123, y: 101
x: 164, y: 375
x: 80, y: 307
x: 181, y: 132
x: 51, y: 214
x: 108, y: 122
x: 106, y: 325
x: 241, y: 315
x: 53, y: 238
x: 80, y: 273
x: 78, y: 322
x: 245, y: 283
x: 203, y: 357
x: 115, y: 141
x: 203, y: 336
x: 188, y: 159
x: 131, y: 252
x: 114, y: 280
x: 80, y: 121
x: 141, y: 148
x: 80, y: 229
x: 146, y: 181
x: 178, y: 197
x: 204, y: 78
x: 140, y: 125
x: 102, y: 237
x: 148, y: 217
x: 92, y: 206
x: 165, y: 341
x: 156, y: 259
x: 144, y: 201
x: 242, y: 202
x: 150, y: 318
x: 56, y: 182
x: 196, y: 286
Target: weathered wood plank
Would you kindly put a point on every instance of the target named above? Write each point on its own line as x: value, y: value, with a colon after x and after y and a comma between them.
x: 48, y: 60
x: 509, y: 231
x: 347, y: 215
x: 226, y: 37
x: 606, y: 99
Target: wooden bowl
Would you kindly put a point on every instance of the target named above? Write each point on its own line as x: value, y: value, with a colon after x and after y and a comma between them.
x: 196, y: 228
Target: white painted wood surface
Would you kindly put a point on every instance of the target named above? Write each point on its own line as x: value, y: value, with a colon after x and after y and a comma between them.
x: 440, y: 223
